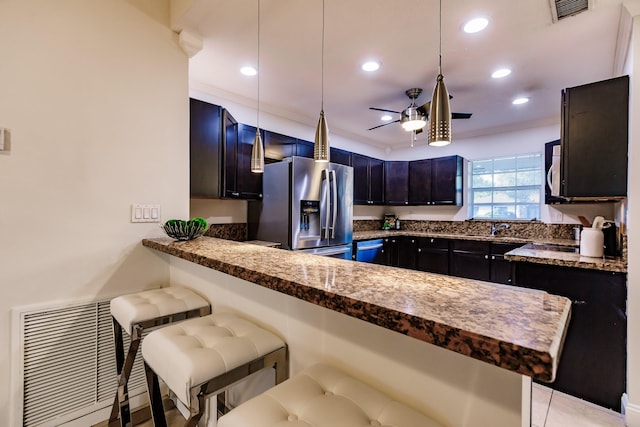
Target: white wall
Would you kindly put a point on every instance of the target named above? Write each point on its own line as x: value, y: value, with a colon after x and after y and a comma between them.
x: 633, y: 219
x: 95, y: 95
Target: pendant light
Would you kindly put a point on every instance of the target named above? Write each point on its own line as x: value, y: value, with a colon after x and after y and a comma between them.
x: 321, y: 146
x: 440, y: 112
x: 257, y: 151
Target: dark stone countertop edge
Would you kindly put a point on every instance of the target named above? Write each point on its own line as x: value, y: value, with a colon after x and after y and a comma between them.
x: 539, y: 365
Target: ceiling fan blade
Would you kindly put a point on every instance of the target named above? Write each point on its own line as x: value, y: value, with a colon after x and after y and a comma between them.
x: 460, y: 115
x: 424, y: 109
x: 379, y: 126
x: 384, y: 109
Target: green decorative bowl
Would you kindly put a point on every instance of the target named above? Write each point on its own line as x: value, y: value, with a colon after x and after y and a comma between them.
x: 185, y: 230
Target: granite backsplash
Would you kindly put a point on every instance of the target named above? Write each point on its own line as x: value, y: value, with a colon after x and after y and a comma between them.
x: 235, y: 231
x: 521, y: 229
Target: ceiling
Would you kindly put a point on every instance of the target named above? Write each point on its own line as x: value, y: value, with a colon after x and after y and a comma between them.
x: 545, y: 57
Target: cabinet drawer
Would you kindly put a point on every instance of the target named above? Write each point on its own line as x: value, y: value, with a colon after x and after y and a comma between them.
x: 433, y: 243
x: 470, y: 246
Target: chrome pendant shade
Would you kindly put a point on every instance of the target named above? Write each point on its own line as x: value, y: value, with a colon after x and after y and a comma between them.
x: 321, y: 146
x: 257, y: 154
x: 440, y: 115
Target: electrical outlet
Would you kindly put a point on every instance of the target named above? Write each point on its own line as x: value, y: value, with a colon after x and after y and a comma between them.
x: 556, y: 216
x: 145, y: 213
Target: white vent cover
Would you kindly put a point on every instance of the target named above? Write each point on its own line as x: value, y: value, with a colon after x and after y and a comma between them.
x: 69, y: 363
x: 564, y: 8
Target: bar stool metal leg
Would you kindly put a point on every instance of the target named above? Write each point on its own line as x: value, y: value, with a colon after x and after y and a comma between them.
x: 155, y: 398
x: 124, y: 367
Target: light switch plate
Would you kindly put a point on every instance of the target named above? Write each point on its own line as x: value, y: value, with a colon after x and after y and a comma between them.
x: 2, y: 138
x: 145, y: 213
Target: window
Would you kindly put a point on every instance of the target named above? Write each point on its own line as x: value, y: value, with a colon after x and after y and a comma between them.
x: 506, y: 187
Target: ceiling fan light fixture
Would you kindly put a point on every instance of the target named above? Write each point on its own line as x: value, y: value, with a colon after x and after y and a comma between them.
x: 412, y: 119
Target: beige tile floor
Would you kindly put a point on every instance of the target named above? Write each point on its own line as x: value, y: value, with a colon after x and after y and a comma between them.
x: 550, y: 408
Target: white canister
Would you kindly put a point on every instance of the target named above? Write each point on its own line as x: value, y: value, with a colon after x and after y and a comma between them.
x: 592, y: 242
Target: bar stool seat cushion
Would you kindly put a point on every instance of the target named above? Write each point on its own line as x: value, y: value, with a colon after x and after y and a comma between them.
x: 322, y: 396
x: 146, y: 305
x: 192, y: 352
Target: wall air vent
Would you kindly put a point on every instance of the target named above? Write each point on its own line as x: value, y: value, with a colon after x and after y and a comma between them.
x: 564, y: 8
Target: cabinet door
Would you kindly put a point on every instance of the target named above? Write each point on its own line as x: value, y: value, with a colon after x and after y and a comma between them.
x: 591, y: 114
x: 305, y: 149
x: 376, y: 184
x: 470, y: 259
x: 407, y: 252
x: 339, y: 156
x: 396, y: 183
x: 446, y: 180
x: 420, y: 182
x: 593, y: 360
x: 433, y: 255
x: 501, y: 269
x: 205, y: 155
x: 360, y: 179
x: 390, y: 252
x: 278, y: 146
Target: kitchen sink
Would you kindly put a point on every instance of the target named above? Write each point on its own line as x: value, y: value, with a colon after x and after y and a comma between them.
x: 551, y: 247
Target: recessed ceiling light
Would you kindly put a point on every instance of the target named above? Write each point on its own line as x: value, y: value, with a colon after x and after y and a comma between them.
x: 518, y: 101
x: 248, y: 71
x: 370, y: 66
x: 475, y: 25
x: 502, y: 72
x: 386, y: 118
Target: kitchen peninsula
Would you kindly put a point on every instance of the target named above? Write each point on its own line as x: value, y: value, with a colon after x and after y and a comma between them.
x: 521, y: 331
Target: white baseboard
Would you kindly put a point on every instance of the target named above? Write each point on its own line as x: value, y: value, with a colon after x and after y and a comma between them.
x: 631, y: 412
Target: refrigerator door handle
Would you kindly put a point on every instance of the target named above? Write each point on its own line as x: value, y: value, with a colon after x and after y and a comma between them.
x: 334, y: 202
x: 327, y: 200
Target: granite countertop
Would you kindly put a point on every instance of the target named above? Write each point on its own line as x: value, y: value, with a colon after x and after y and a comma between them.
x: 539, y: 256
x: 567, y: 259
x: 520, y: 330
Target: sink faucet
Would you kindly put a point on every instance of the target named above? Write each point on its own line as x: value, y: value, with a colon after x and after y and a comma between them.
x: 495, y: 228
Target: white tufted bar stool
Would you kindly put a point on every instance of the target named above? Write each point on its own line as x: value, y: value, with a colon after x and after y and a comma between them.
x: 322, y: 396
x: 142, y: 311
x: 205, y: 356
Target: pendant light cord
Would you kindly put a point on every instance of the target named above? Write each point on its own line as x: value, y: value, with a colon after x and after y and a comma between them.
x: 322, y: 63
x: 440, y: 46
x: 259, y: 70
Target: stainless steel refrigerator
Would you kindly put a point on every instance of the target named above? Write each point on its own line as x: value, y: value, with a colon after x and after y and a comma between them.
x: 306, y: 206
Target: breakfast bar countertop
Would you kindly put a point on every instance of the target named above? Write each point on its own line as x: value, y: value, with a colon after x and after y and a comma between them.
x: 520, y: 330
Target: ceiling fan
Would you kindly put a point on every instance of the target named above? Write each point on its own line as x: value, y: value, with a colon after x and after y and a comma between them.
x: 414, y: 118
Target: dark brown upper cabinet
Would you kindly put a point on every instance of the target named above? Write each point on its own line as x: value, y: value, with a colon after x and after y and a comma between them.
x: 278, y: 146
x: 594, y: 140
x: 436, y: 181
x: 368, y: 180
x: 396, y: 183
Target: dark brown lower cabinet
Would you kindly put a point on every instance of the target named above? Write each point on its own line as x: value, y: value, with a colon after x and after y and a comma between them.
x: 407, y: 252
x: 433, y: 255
x: 500, y: 268
x: 593, y: 360
x: 470, y: 259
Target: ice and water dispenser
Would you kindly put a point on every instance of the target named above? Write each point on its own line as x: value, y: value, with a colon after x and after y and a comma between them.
x: 309, y: 218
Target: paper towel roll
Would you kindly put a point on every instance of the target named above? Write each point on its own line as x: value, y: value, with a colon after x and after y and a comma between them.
x: 591, y: 242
